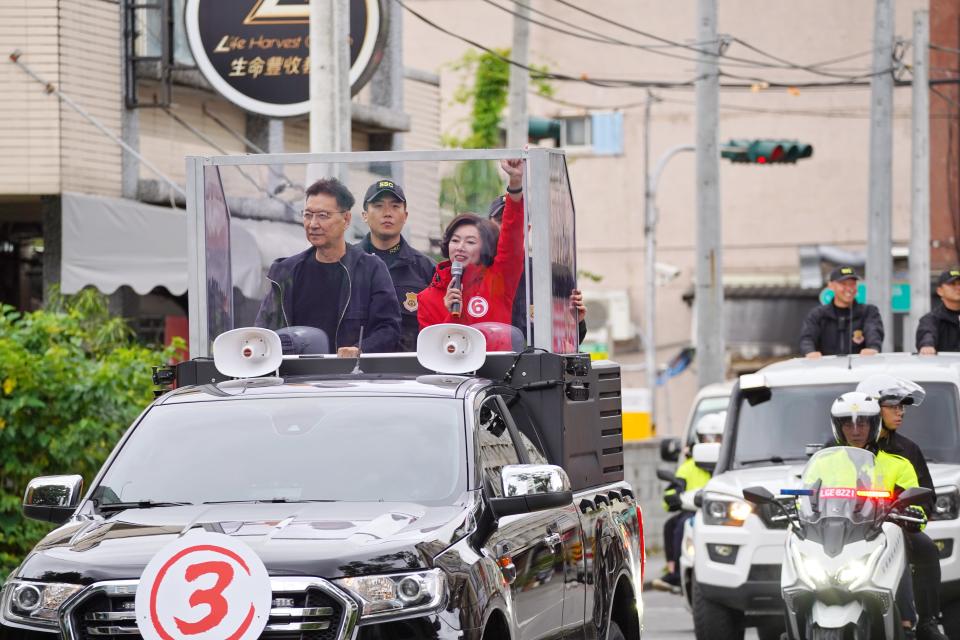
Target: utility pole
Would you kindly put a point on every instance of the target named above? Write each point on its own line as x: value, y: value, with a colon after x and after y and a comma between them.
x: 329, y: 81
x: 708, y: 298
x: 879, y: 234
x: 517, y: 131
x: 650, y: 266
x: 920, y: 180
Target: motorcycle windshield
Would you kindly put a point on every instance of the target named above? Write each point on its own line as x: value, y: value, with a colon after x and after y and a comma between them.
x: 844, y: 483
x: 846, y: 494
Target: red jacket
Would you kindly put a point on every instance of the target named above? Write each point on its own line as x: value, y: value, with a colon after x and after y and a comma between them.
x: 488, y: 292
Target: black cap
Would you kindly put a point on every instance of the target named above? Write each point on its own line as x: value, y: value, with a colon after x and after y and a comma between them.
x: 381, y: 186
x: 496, y: 207
x: 844, y: 273
x: 949, y: 276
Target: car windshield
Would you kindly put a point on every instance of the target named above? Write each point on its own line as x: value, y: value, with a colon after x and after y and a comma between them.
x: 293, y: 449
x: 777, y: 430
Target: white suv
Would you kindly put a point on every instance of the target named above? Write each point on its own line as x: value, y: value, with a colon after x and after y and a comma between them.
x: 774, y: 414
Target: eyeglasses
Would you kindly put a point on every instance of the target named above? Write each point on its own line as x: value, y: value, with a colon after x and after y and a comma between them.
x: 898, y: 408
x: 319, y: 216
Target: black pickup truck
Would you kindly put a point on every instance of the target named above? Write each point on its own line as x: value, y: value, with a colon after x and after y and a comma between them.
x: 501, y: 494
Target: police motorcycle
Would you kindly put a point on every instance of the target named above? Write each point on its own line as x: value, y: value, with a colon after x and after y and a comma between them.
x: 845, y: 553
x: 679, y: 498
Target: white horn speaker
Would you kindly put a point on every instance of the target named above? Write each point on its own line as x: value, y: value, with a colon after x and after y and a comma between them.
x: 247, y: 353
x: 451, y: 348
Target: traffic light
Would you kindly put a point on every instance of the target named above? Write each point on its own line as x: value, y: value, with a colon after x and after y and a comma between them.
x: 765, y: 151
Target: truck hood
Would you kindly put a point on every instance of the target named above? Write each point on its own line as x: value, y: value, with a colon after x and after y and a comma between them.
x: 773, y: 478
x: 945, y: 475
x: 327, y: 540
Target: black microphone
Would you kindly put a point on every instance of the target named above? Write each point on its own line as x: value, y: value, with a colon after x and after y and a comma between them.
x: 456, y: 270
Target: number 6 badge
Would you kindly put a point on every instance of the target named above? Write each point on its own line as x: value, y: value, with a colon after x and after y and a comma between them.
x: 204, y: 586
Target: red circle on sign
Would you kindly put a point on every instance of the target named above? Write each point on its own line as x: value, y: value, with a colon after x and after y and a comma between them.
x: 155, y: 618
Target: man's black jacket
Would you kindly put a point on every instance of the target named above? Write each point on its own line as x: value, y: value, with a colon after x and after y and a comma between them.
x: 834, y: 331
x: 369, y: 301
x: 939, y: 329
x: 904, y: 447
x: 411, y: 272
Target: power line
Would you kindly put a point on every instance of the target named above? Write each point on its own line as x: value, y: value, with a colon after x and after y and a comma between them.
x: 785, y: 64
x: 621, y: 83
x: 948, y: 99
x: 939, y: 47
x: 595, y: 36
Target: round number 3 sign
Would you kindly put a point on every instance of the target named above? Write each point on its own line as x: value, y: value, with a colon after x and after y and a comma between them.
x: 204, y: 586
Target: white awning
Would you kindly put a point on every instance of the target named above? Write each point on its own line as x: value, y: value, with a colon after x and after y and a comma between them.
x: 111, y: 242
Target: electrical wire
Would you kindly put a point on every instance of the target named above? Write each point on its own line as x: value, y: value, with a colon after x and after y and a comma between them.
x: 950, y: 101
x: 595, y: 36
x: 785, y: 64
x: 939, y: 47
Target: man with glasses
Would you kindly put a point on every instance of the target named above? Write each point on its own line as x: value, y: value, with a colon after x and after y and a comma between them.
x: 385, y: 212
x: 333, y: 286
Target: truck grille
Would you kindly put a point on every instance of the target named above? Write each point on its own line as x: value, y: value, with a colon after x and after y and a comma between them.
x: 303, y: 609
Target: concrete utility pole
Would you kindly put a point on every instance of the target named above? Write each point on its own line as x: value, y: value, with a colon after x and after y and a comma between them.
x: 920, y: 181
x: 329, y: 76
x: 879, y: 234
x: 517, y: 131
x: 708, y: 299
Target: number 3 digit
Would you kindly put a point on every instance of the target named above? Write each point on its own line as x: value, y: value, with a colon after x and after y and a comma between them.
x: 213, y: 598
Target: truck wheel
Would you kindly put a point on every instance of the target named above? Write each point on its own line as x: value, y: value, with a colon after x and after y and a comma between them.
x: 816, y: 633
x: 614, y: 633
x: 713, y: 621
x: 951, y: 619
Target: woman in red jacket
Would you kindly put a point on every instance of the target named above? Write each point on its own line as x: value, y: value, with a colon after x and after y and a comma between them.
x: 493, y: 265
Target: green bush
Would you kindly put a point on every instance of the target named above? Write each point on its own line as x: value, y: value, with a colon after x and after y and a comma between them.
x: 72, y: 379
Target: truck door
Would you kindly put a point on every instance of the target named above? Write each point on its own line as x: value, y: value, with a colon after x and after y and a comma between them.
x: 532, y: 543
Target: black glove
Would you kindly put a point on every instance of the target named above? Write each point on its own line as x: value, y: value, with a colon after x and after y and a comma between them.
x: 913, y: 512
x: 672, y: 498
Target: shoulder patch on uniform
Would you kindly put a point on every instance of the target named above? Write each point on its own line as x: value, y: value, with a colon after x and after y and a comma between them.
x: 410, y: 303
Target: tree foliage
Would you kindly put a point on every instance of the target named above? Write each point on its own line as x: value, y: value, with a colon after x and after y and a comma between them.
x: 474, y: 184
x: 72, y: 379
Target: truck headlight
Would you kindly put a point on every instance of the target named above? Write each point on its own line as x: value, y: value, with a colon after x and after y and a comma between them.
x: 397, y: 595
x: 947, y: 505
x: 725, y: 511
x: 35, y: 604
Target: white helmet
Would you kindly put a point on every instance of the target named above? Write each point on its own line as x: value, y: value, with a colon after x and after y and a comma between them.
x: 891, y: 390
x: 711, y: 425
x: 856, y: 407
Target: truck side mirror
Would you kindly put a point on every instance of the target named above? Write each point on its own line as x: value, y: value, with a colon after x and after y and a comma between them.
x: 670, y: 449
x: 52, y: 498
x: 531, y: 487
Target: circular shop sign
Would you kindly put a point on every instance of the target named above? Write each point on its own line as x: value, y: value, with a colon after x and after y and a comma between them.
x: 203, y: 586
x: 256, y: 53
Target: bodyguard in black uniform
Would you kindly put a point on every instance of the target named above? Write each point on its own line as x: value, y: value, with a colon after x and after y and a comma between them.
x: 385, y: 212
x: 939, y: 330
x: 894, y: 395
x: 843, y: 326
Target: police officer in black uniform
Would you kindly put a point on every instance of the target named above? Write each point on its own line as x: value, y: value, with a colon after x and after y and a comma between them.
x: 385, y: 212
x: 939, y: 330
x: 894, y: 395
x: 843, y: 326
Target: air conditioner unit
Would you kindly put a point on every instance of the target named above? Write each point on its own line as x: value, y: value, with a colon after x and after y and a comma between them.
x: 609, y: 312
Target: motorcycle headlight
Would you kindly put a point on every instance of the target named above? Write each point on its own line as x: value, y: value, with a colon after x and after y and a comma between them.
x: 851, y: 572
x: 35, y: 604
x: 397, y: 595
x: 725, y: 511
x: 814, y: 570
x: 947, y: 505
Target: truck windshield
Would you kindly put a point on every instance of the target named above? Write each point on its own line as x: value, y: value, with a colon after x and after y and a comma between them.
x: 293, y: 449
x: 777, y: 430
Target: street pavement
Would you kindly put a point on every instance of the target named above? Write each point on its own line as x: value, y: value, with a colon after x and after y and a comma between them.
x: 665, y: 617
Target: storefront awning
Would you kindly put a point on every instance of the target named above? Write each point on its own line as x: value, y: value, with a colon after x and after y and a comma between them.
x: 111, y: 242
